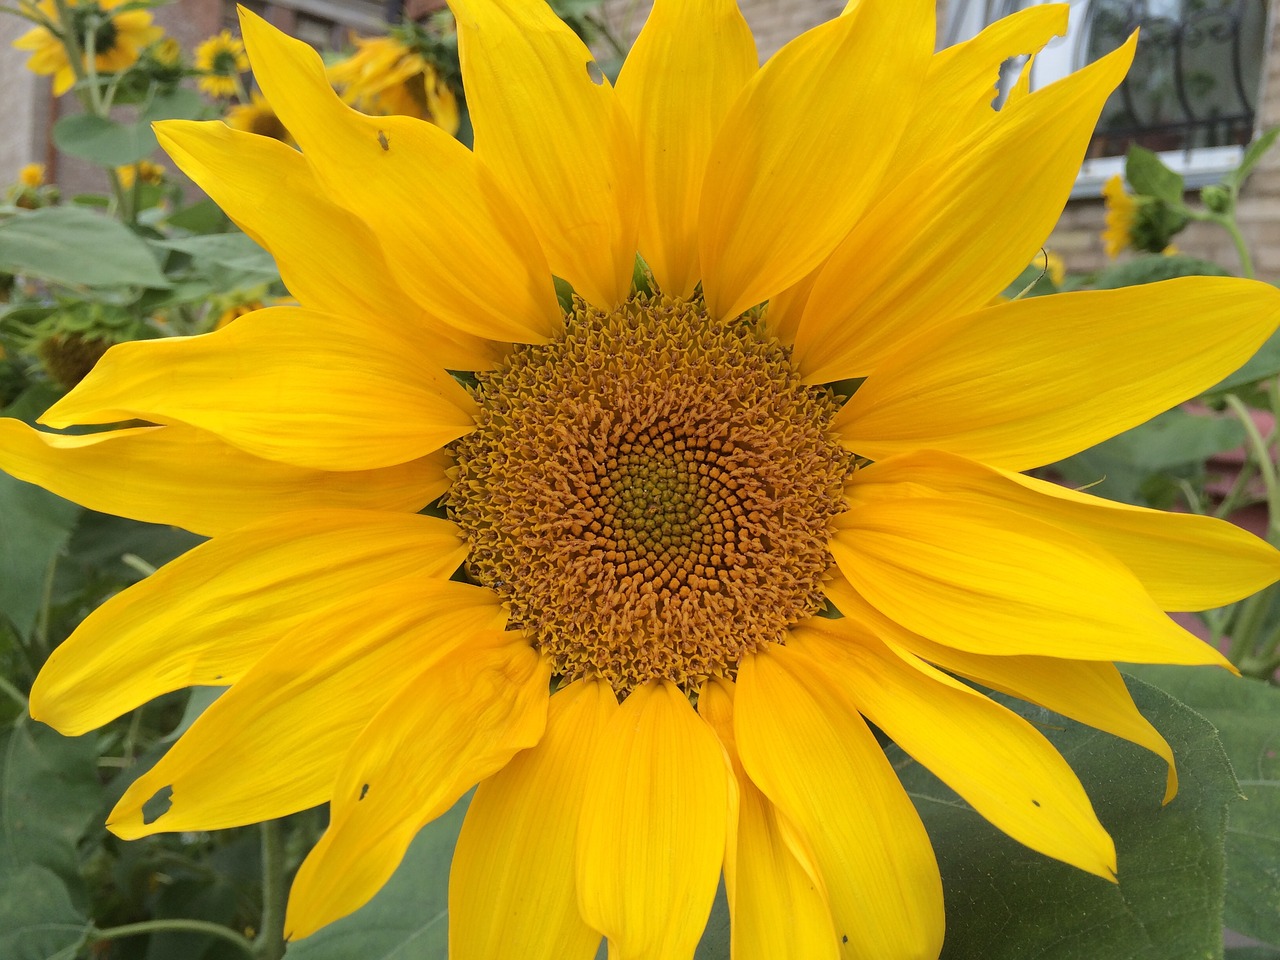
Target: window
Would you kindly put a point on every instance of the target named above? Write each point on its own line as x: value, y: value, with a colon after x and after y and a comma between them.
x: 1193, y: 90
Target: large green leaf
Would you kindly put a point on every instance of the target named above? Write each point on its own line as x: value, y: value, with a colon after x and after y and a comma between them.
x: 229, y: 260
x: 1004, y: 901
x: 34, y: 527
x: 1247, y: 715
x: 76, y: 247
x: 1142, y: 465
x: 37, y: 919
x: 104, y: 142
x: 49, y: 797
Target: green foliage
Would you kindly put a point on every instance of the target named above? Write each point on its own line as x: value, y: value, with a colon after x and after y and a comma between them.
x: 78, y: 248
x: 1153, y: 269
x: 1148, y: 175
x: 1004, y: 901
x: 1149, y: 464
x: 1246, y: 714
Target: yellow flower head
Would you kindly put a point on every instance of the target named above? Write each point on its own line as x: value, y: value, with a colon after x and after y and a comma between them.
x: 220, y: 59
x: 31, y: 175
x: 115, y: 39
x: 168, y: 52
x: 387, y: 78
x: 145, y: 170
x: 1122, y: 210
x: 653, y: 495
x: 258, y: 117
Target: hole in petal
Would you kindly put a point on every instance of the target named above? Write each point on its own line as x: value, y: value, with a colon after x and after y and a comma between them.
x: 595, y: 73
x: 158, y: 805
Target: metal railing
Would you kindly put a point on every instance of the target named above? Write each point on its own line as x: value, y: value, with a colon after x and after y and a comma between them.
x: 1195, y: 77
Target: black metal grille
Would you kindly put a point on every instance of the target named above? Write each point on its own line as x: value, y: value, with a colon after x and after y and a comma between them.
x: 1195, y: 77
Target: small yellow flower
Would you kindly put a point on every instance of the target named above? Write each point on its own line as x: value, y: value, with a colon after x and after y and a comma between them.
x: 144, y: 170
x: 31, y: 175
x: 387, y: 78
x: 167, y: 52
x: 220, y: 59
x: 1121, y: 212
x: 116, y: 39
x: 257, y: 116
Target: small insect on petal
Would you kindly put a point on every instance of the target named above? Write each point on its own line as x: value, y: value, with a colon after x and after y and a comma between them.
x: 383, y: 141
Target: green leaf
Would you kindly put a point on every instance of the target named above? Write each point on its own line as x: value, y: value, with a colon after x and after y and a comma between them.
x: 1148, y: 175
x: 1143, y: 464
x: 1247, y: 715
x: 1252, y: 154
x: 104, y: 142
x: 204, y: 216
x: 34, y: 527
x: 1153, y: 268
x: 1005, y: 902
x: 409, y: 917
x: 37, y: 919
x: 178, y: 104
x: 49, y: 797
x: 77, y: 247
x: 234, y: 258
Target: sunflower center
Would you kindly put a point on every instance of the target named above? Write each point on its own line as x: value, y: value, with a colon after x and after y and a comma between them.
x: 651, y: 493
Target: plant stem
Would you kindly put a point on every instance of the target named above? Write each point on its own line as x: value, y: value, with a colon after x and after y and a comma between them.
x: 1261, y: 451
x: 161, y: 926
x: 1242, y: 248
x: 13, y: 693
x: 269, y: 944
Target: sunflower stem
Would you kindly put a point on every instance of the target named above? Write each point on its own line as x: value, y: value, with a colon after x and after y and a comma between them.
x: 177, y: 925
x: 269, y: 944
x: 1261, y: 450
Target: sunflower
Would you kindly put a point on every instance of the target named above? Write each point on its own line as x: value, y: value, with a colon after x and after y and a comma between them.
x: 148, y: 171
x: 220, y: 59
x: 257, y: 117
x: 116, y: 39
x: 1121, y: 210
x: 386, y: 76
x: 682, y: 557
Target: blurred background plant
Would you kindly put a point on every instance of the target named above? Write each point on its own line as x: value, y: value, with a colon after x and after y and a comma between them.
x: 150, y: 257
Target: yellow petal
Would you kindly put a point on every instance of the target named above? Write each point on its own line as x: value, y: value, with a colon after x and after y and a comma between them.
x: 805, y: 746
x: 454, y: 724
x: 548, y: 125
x: 778, y: 910
x: 287, y: 384
x: 1185, y: 561
x: 995, y: 760
x: 330, y: 259
x: 1088, y: 691
x: 956, y: 230
x: 1032, y: 381
x: 990, y: 580
x: 273, y: 743
x: 962, y: 81
x: 652, y: 835
x: 189, y: 478
x: 208, y: 616
x: 689, y: 63
x: 803, y: 147
x: 456, y: 242
x: 512, y: 880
